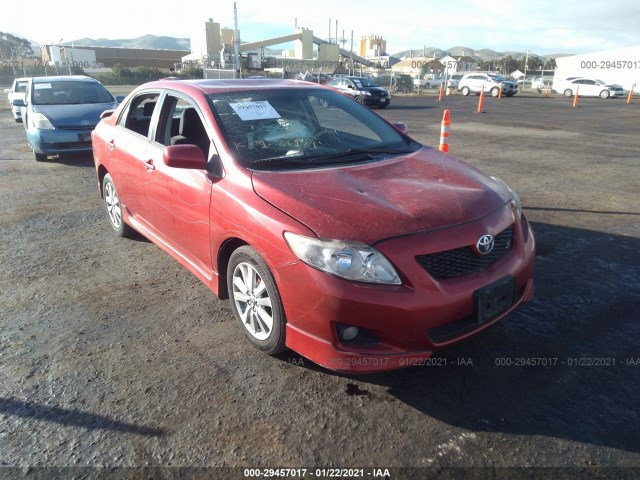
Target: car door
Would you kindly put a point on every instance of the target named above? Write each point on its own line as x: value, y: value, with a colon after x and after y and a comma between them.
x: 178, y: 199
x: 591, y: 89
x: 127, y: 153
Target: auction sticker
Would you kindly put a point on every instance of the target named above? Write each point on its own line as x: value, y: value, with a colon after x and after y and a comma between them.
x: 41, y: 86
x: 254, y: 110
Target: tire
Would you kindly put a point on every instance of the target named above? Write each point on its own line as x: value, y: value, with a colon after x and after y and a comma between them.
x: 465, y: 91
x: 114, y: 208
x: 360, y: 100
x: 40, y: 157
x: 495, y: 91
x: 568, y: 93
x: 605, y: 94
x: 427, y: 85
x: 255, y: 301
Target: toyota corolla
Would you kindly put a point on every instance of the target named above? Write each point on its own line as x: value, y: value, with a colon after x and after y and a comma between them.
x: 332, y: 232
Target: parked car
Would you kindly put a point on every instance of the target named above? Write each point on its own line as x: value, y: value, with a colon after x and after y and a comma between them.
x: 60, y: 113
x: 454, y: 80
x: 432, y: 80
x: 330, y: 230
x: 362, y: 90
x: 541, y: 83
x: 402, y: 83
x: 475, y: 82
x: 588, y: 87
x: 17, y: 91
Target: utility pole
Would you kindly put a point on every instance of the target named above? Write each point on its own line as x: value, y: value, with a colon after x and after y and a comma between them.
x: 236, y: 41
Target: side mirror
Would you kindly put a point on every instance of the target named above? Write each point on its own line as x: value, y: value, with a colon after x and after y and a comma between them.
x: 350, y: 86
x: 120, y: 98
x: 401, y: 127
x: 184, y: 156
x: 18, y: 102
x: 106, y: 114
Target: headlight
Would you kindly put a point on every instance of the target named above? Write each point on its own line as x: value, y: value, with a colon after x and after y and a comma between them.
x: 350, y: 260
x: 366, y: 94
x: 41, y: 122
x: 515, y: 199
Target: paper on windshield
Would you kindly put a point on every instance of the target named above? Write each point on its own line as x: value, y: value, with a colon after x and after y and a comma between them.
x: 254, y: 110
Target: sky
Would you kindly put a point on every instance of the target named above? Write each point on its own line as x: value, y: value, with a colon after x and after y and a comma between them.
x: 543, y: 26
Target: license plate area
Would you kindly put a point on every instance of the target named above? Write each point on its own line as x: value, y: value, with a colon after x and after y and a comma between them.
x: 494, y: 299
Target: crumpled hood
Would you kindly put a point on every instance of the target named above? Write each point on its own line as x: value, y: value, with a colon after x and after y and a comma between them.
x: 421, y: 191
x: 80, y: 116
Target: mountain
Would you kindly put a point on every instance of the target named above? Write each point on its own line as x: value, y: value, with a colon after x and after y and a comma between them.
x: 459, y: 51
x: 152, y: 42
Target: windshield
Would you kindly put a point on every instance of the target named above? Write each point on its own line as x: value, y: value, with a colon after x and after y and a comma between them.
x: 364, y: 82
x: 70, y: 92
x: 303, y: 128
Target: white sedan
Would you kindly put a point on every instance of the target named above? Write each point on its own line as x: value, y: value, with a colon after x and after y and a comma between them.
x: 586, y: 87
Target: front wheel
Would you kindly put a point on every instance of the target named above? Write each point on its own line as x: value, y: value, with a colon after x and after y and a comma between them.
x: 114, y: 207
x: 255, y: 300
x: 568, y: 93
x: 495, y: 91
x: 40, y: 157
x: 360, y: 100
x: 465, y: 91
x: 605, y: 94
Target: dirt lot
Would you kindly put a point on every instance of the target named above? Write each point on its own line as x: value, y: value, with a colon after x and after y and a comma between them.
x: 113, y: 355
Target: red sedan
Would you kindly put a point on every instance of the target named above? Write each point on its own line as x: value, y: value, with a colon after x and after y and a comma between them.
x: 331, y: 231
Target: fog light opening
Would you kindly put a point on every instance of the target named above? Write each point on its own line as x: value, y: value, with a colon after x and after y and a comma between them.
x: 349, y: 334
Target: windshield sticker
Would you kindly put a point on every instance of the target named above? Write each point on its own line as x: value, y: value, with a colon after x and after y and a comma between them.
x: 39, y: 86
x: 254, y: 110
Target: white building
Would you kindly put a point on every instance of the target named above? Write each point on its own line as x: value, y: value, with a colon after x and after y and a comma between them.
x: 621, y: 66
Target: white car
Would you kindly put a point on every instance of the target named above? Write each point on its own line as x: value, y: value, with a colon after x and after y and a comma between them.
x: 491, y: 83
x: 431, y: 80
x: 541, y: 83
x: 587, y: 87
x: 17, y: 90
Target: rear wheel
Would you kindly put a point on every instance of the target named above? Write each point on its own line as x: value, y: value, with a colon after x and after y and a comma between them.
x: 568, y: 93
x: 495, y: 91
x: 605, y: 94
x: 465, y: 91
x: 255, y: 300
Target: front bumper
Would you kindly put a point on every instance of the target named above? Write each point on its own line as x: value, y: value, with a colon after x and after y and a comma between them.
x: 53, y: 142
x: 406, y: 322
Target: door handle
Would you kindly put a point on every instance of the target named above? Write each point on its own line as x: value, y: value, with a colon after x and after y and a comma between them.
x: 111, y: 144
x: 149, y: 165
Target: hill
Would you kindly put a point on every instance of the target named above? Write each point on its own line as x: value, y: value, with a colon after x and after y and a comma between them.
x: 146, y: 41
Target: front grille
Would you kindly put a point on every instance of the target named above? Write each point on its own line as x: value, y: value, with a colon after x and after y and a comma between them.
x: 76, y: 127
x: 463, y: 261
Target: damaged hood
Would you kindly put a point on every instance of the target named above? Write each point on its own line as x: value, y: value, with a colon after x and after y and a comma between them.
x: 422, y: 191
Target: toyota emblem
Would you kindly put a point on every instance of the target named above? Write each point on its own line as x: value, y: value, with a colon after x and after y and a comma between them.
x: 485, y: 244
x: 86, y: 122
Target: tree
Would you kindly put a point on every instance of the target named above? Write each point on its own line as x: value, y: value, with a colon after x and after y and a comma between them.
x: 13, y: 48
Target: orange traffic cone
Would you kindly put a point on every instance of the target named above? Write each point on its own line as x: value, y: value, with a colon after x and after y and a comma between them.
x: 546, y: 94
x: 575, y: 98
x: 630, y: 94
x: 445, y: 125
x: 481, y: 100
x: 440, y: 93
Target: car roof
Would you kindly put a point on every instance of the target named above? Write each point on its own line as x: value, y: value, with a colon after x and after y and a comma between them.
x: 225, y: 85
x: 63, y: 78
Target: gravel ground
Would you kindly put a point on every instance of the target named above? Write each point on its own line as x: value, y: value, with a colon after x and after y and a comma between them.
x: 113, y: 355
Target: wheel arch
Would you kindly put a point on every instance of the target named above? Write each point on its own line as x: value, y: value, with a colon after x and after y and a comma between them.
x: 102, y: 172
x: 225, y: 251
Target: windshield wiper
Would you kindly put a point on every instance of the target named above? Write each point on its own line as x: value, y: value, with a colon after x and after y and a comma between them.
x: 354, y: 153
